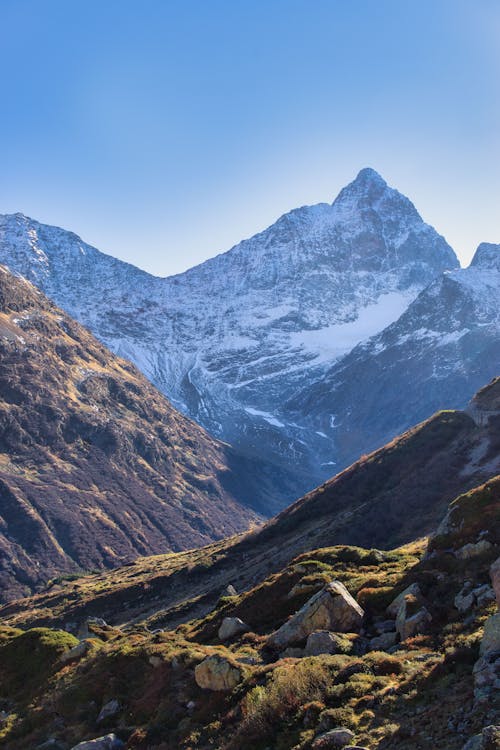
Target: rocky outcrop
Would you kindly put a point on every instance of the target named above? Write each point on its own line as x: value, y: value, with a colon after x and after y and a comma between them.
x: 495, y: 579
x: 217, y: 673
x: 334, y: 739
x: 410, y: 622
x: 411, y: 590
x: 324, y: 642
x: 332, y: 608
x: 107, y: 742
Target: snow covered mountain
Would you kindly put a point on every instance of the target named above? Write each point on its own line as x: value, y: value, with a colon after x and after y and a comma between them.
x: 238, y: 341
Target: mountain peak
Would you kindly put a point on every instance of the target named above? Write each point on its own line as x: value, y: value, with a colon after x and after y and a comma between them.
x: 368, y: 176
x: 487, y: 255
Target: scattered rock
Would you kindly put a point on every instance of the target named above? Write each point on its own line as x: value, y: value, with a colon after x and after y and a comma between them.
x: 334, y: 739
x: 489, y: 739
x: 76, y: 652
x: 383, y: 641
x: 412, y: 590
x: 332, y: 608
x: 473, y: 550
x: 107, y: 742
x: 490, y: 641
x: 495, y: 578
x: 464, y: 599
x: 385, y: 626
x: 231, y: 627
x: 217, y: 673
x: 408, y: 625
x: 486, y: 674
x: 484, y: 595
x: 230, y: 591
x: 84, y: 631
x: 292, y: 653
x: 324, y: 642
x: 109, y: 709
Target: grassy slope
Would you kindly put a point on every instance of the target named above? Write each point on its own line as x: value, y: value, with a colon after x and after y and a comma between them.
x: 420, y: 694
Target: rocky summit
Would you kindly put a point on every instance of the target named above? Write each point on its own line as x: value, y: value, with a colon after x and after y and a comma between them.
x: 244, y: 342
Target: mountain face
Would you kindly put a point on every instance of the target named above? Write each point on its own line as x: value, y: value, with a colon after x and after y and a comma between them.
x: 441, y: 349
x: 96, y: 466
x: 234, y: 340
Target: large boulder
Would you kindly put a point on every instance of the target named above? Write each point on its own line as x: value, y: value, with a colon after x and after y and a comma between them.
x: 107, y: 742
x: 486, y: 674
x: 231, y: 627
x: 332, y: 608
x: 469, y: 551
x: 495, y: 579
x: 217, y: 673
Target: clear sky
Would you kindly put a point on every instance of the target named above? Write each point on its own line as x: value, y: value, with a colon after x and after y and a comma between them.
x: 164, y: 131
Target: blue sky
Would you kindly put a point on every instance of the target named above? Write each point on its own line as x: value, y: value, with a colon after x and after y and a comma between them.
x: 163, y: 132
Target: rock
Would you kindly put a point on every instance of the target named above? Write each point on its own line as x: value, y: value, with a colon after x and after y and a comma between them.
x: 301, y: 588
x: 109, y: 709
x: 412, y: 590
x: 332, y: 608
x: 323, y: 642
x: 217, y: 673
x: 385, y: 626
x: 292, y: 653
x: 490, y: 641
x: 489, y: 739
x: 464, y: 600
x: 230, y: 591
x: 334, y: 739
x: 408, y: 625
x: 231, y: 627
x: 495, y: 578
x: 484, y: 595
x: 473, y: 550
x: 383, y: 641
x: 486, y: 673
x: 51, y: 744
x: 83, y: 630
x: 76, y: 652
x: 107, y: 742
x: 155, y: 661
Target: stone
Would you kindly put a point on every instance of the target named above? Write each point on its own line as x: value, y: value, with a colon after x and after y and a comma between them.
x: 292, y: 653
x: 230, y: 591
x: 464, y: 600
x: 412, y: 590
x: 490, y: 641
x: 84, y: 631
x: 383, y: 641
x: 495, y: 578
x: 332, y: 608
x: 409, y: 625
x: 469, y: 551
x: 484, y: 595
x: 217, y: 673
x: 385, y: 626
x: 155, y: 661
x: 76, y: 652
x: 51, y: 744
x: 301, y: 588
x: 231, y: 627
x: 486, y: 673
x: 334, y: 739
x: 323, y: 642
x: 488, y: 739
x: 107, y: 742
x: 109, y: 709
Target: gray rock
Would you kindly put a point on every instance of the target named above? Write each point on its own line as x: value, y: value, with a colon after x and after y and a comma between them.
x: 334, y: 739
x: 464, y: 600
x: 484, y: 595
x: 486, y: 673
x: 217, y: 673
x: 332, y: 608
x: 230, y: 591
x: 323, y: 642
x: 383, y: 642
x: 411, y: 590
x: 76, y: 652
x: 292, y: 653
x: 488, y: 739
x: 495, y: 578
x: 469, y: 551
x: 409, y: 625
x: 490, y: 641
x: 385, y: 626
x: 231, y: 627
x: 106, y: 742
x: 109, y: 709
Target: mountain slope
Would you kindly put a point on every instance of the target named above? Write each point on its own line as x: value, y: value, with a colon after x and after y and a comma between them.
x: 236, y: 337
x: 96, y: 467
x: 391, y: 497
x: 437, y: 354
